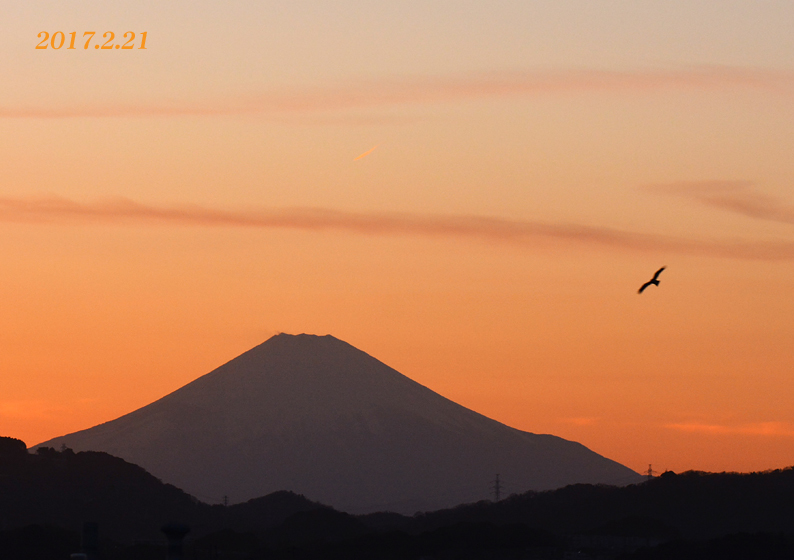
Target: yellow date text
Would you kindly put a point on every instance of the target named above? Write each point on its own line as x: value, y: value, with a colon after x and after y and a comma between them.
x: 71, y: 42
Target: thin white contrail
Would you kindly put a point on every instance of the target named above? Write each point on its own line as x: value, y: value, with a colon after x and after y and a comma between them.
x: 365, y: 154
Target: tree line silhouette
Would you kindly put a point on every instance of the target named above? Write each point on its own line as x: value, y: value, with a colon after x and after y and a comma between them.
x: 46, y: 497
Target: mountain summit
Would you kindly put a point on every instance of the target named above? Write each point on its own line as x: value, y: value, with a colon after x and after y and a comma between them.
x: 316, y: 416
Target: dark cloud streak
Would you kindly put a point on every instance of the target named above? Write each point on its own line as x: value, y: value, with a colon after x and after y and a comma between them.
x: 527, y: 234
x: 738, y: 197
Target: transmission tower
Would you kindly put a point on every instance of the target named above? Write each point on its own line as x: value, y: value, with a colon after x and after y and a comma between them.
x: 650, y: 472
x: 497, y: 489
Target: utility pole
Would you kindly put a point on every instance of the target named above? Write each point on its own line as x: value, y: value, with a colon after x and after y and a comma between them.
x: 497, y: 489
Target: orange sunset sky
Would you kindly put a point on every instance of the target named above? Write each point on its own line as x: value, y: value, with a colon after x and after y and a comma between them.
x: 164, y: 210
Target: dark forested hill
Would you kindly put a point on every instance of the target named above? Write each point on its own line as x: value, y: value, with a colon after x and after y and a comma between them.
x: 695, y: 504
x: 46, y: 497
x: 66, y: 489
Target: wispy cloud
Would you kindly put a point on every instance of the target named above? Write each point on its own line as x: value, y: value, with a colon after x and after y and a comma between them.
x: 740, y: 197
x: 29, y: 410
x: 440, y: 89
x: 756, y: 429
x: 522, y: 233
x: 581, y: 420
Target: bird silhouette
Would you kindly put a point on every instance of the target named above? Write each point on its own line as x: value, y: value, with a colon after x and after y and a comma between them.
x: 654, y: 280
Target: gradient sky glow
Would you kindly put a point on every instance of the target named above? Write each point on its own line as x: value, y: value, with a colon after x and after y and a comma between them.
x: 164, y: 210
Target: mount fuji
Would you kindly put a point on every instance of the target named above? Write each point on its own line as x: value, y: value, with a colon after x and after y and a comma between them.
x: 314, y: 415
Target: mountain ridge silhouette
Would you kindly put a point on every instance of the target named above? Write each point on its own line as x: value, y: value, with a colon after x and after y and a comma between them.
x: 314, y: 415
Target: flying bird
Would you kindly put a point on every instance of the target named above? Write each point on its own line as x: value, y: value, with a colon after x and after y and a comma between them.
x: 654, y: 280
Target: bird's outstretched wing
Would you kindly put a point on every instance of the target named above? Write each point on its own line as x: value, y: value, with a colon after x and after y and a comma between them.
x: 658, y: 272
x: 654, y: 280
